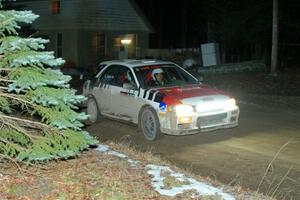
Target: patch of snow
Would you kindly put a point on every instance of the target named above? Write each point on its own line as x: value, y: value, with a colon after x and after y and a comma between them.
x: 133, y: 162
x: 102, y: 148
x: 105, y: 149
x: 158, y: 181
x: 120, y: 155
x: 202, y: 188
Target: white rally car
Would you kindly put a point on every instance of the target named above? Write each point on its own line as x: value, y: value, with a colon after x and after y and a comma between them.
x: 159, y: 96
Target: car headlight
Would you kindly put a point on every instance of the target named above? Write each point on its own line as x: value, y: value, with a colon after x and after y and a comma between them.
x: 230, y: 103
x: 183, y: 110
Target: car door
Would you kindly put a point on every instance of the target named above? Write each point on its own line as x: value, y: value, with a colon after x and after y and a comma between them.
x: 124, y: 93
x: 103, y: 88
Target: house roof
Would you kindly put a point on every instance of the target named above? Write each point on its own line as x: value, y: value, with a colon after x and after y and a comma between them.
x: 107, y: 15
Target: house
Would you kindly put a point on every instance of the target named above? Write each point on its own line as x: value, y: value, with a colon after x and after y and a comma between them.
x: 85, y: 32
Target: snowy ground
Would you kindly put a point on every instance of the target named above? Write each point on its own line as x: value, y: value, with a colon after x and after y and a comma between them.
x: 156, y: 172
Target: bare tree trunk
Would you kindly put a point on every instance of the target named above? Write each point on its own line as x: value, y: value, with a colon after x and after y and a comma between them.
x: 274, y: 58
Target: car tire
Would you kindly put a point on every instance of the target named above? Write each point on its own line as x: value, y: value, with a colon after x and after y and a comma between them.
x: 92, y: 110
x: 149, y: 124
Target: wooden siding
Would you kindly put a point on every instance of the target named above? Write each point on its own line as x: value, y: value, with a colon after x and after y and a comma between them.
x: 104, y: 15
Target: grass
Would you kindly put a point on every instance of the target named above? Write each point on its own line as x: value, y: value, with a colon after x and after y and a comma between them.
x: 91, y: 176
x: 94, y: 175
x: 171, y: 181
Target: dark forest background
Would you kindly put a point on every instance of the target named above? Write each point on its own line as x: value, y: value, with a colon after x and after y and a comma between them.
x: 243, y: 29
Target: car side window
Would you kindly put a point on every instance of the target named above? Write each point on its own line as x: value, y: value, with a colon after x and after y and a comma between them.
x: 126, y: 76
x: 109, y: 76
x: 117, y: 75
x: 99, y: 68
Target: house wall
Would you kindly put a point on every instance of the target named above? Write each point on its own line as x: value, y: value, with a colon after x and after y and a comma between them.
x: 86, y: 49
x: 77, y: 25
x: 69, y: 44
x: 48, y: 21
x: 143, y: 44
x: 86, y: 52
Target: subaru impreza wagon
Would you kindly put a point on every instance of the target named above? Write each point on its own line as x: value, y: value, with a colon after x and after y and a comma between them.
x: 159, y: 96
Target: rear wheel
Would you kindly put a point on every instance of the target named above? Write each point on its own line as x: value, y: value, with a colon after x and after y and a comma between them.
x: 149, y: 124
x: 92, y: 110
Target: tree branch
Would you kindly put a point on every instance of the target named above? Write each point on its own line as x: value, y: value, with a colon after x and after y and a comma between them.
x: 3, y: 88
x: 24, y: 120
x: 6, y: 69
x: 11, y: 96
x: 6, y: 80
x: 50, y: 130
x: 9, y: 20
x: 20, y: 130
x: 12, y: 160
x: 13, y: 144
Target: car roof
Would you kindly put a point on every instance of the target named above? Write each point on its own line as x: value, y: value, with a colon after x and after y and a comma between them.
x: 135, y: 63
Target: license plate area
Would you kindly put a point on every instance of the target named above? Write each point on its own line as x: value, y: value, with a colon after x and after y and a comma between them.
x: 211, y: 120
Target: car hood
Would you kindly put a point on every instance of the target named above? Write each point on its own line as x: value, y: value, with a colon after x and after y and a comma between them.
x: 192, y: 94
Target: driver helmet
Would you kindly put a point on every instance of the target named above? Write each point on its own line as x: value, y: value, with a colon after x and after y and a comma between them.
x: 155, y: 72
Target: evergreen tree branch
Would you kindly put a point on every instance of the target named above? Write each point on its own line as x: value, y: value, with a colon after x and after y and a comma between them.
x: 35, y: 87
x: 7, y: 80
x: 25, y: 120
x: 3, y: 88
x: 14, y: 97
x: 7, y: 21
x: 17, y: 128
x: 6, y: 69
x: 46, y: 128
x: 18, y: 147
x: 12, y: 160
x: 20, y: 130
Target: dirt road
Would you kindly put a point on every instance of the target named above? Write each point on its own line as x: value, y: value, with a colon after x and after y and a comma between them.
x: 238, y: 156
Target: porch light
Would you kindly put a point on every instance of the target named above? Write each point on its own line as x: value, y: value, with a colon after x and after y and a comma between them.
x: 126, y: 41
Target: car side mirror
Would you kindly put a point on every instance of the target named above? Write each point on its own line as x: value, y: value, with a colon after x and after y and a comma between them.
x: 200, y: 79
x: 128, y: 86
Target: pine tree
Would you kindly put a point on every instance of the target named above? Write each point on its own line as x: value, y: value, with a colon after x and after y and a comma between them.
x: 38, y: 118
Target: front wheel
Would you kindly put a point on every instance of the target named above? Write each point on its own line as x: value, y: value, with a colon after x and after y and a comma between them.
x: 149, y: 124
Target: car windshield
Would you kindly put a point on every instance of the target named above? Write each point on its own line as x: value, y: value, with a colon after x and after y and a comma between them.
x: 163, y: 76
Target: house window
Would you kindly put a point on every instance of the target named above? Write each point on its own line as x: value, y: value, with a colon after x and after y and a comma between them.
x: 59, y: 45
x: 55, y: 6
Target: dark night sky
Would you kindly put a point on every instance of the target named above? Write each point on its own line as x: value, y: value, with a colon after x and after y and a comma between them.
x: 176, y: 21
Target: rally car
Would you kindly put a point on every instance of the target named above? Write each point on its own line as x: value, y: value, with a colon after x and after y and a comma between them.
x: 159, y: 96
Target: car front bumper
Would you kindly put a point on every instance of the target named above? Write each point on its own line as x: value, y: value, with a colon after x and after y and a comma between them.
x: 200, y: 122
